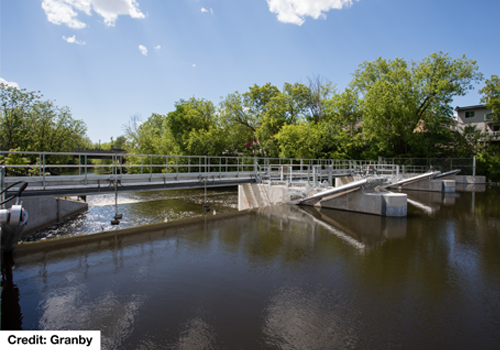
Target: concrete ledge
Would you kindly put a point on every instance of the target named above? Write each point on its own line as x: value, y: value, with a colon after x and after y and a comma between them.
x: 376, y: 203
x: 469, y: 179
x: 431, y: 185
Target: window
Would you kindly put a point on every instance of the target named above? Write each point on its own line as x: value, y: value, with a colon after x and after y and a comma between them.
x: 470, y: 114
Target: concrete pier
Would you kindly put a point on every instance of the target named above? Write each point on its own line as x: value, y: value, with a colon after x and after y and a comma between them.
x: 376, y: 203
x: 261, y: 195
x: 430, y: 185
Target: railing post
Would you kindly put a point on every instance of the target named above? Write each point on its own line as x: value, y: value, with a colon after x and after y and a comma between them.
x: 43, y: 162
x: 474, y: 166
x: 330, y: 175
x: 85, y: 170
x: 2, y: 185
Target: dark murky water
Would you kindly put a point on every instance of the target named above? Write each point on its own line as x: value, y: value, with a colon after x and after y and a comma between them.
x: 277, y: 278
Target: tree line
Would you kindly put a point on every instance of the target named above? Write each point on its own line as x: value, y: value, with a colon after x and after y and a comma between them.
x: 391, y: 108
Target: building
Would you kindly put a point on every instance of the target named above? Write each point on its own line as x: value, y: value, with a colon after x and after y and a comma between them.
x: 481, y: 117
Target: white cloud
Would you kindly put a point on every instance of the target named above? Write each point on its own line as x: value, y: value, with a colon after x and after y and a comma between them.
x: 65, y: 11
x: 143, y: 50
x: 294, y: 11
x: 10, y: 83
x: 72, y: 40
x: 194, y: 65
x: 209, y: 10
x: 157, y: 47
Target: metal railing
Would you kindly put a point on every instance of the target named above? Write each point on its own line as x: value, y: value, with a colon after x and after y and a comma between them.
x: 80, y: 163
x: 90, y: 169
x: 420, y: 165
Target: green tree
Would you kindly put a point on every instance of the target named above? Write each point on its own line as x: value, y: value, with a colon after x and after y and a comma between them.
x: 190, y: 115
x: 303, y: 140
x: 16, y: 105
x: 343, y: 126
x: 23, y: 112
x: 491, y: 98
x: 399, y: 97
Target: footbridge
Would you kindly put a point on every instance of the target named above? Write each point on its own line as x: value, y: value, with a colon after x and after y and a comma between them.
x: 50, y: 174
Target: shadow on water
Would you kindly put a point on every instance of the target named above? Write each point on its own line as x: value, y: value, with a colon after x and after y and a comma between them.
x: 280, y: 277
x: 12, y: 318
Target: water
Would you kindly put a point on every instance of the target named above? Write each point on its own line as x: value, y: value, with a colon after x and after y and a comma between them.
x: 142, y: 208
x: 276, y: 278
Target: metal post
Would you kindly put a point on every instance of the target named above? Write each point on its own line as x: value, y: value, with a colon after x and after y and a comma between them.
x: 43, y: 162
x: 2, y: 185
x: 474, y: 166
x: 85, y: 170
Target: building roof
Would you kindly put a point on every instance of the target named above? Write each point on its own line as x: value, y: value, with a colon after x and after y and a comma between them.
x: 466, y: 108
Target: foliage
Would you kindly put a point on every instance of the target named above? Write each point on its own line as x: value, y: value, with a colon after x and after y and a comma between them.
x: 24, y: 112
x: 302, y: 140
x: 491, y: 96
x: 488, y: 164
x: 400, y: 96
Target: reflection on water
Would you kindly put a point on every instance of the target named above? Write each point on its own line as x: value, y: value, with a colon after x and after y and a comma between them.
x: 278, y: 278
x: 301, y: 319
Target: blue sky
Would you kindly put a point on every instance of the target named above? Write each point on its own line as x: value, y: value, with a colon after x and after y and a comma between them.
x: 90, y: 55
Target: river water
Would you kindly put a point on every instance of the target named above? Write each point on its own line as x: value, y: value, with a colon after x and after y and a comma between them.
x: 142, y: 208
x: 280, y: 277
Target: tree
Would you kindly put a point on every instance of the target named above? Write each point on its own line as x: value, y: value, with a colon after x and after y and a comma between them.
x: 303, y: 140
x: 400, y: 96
x: 23, y: 112
x: 342, y: 126
x: 319, y: 93
x: 16, y: 107
x: 491, y: 97
x: 191, y: 115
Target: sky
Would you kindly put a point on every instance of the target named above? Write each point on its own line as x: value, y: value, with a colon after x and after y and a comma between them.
x: 108, y: 60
